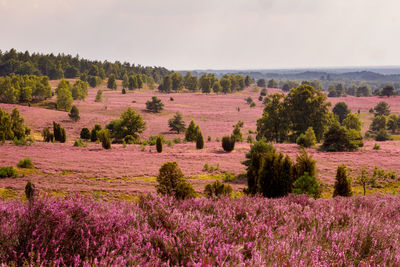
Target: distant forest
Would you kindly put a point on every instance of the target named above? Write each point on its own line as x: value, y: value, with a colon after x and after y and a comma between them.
x: 66, y: 66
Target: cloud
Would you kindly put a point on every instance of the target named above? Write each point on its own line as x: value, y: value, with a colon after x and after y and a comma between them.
x: 182, y: 34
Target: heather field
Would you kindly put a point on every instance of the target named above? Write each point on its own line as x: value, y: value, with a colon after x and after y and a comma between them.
x: 249, y: 231
x: 132, y: 169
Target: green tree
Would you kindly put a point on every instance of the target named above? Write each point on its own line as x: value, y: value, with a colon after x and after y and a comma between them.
x: 388, y: 90
x: 343, y: 183
x: 217, y: 189
x: 307, y: 107
x: 339, y: 138
x: 176, y: 123
x: 247, y: 80
x: 253, y: 163
x: 191, y: 132
x: 275, y: 175
x: 168, y: 178
x: 272, y: 84
x: 341, y: 110
x: 363, y: 179
x: 104, y: 137
x: 307, y: 139
x: 261, y: 83
x: 382, y: 109
x: 19, y: 129
x: 382, y: 135
x: 274, y: 123
x: 352, y: 121
x: 125, y: 81
x: 6, y: 126
x: 199, y: 140
x: 79, y: 90
x: 237, y: 134
x: 226, y: 85
x: 177, y: 81
x: 155, y: 105
x: 228, y: 143
x: 166, y: 85
x: 132, y: 82
x: 392, y: 122
x: 205, y: 84
x: 99, y: 96
x: 379, y: 122
x: 85, y: 134
x: 111, y: 83
x: 159, y: 145
x: 130, y: 123
x: 217, y: 87
x: 308, y: 185
x: 192, y: 83
x: 74, y: 113
x: 64, y: 96
x: 94, y: 133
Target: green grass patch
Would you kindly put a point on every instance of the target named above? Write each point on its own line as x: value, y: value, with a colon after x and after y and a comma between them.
x: 6, y: 193
x: 209, y: 176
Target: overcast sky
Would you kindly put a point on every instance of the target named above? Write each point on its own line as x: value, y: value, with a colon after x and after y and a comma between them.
x: 217, y: 34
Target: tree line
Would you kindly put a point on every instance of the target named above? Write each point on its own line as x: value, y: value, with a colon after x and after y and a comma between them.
x: 207, y: 83
x: 66, y: 66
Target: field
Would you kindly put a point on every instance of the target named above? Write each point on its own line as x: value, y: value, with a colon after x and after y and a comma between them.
x: 248, y: 231
x: 132, y: 169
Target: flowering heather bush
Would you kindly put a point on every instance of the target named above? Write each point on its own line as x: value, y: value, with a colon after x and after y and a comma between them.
x: 157, y: 231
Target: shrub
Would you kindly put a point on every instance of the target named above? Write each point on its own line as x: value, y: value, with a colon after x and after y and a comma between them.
x: 260, y: 98
x: 217, y: 189
x: 25, y: 163
x: 250, y: 139
x: 237, y: 134
x: 99, y: 96
x: 342, y: 184
x: 199, y: 140
x: 382, y: 135
x: 229, y: 177
x: 80, y: 143
x: 74, y: 113
x: 85, y: 133
x: 123, y: 91
x: 8, y: 171
x: 263, y: 92
x: 339, y: 138
x: 228, y: 143
x: 176, y: 123
x: 307, y: 139
x: 184, y: 190
x: 59, y: 133
x: 249, y: 100
x: 155, y: 105
x: 308, y: 185
x: 304, y: 164
x: 168, y: 178
x: 191, y: 132
x: 63, y: 136
x: 252, y: 104
x: 47, y: 135
x: 29, y: 191
x: 104, y: 137
x: 129, y: 139
x: 159, y: 145
x: 376, y: 147
x: 94, y: 134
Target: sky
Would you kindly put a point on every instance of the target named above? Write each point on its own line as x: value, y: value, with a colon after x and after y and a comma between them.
x: 208, y: 34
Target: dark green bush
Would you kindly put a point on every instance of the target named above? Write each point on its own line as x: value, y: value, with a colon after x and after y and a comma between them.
x: 129, y: 139
x: 170, y: 175
x: 159, y: 145
x: 342, y: 183
x: 80, y: 143
x: 382, y: 135
x: 8, y: 171
x: 184, y: 190
x: 25, y: 163
x: 104, y: 137
x: 228, y: 143
x: 217, y: 189
x: 199, y: 140
x: 85, y: 134
x: 308, y: 185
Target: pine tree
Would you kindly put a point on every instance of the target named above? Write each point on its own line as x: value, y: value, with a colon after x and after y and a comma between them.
x: 199, y: 140
x: 159, y: 144
x: 111, y: 83
x: 191, y: 132
x: 342, y: 183
x: 74, y: 113
x: 104, y: 137
x: 176, y: 123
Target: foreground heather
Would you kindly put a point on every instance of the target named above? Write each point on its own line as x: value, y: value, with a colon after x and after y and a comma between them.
x: 200, y: 232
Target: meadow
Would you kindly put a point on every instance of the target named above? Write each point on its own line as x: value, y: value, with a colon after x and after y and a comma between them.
x: 131, y: 169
